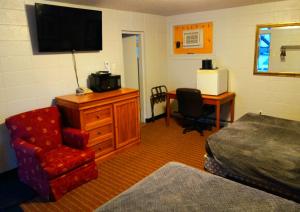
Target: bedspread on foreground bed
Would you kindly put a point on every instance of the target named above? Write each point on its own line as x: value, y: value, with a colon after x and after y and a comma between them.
x: 262, y: 148
x: 178, y: 187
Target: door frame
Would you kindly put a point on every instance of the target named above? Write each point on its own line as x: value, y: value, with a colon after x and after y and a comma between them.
x: 141, y: 74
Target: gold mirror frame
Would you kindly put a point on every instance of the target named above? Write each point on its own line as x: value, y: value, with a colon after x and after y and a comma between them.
x: 270, y: 73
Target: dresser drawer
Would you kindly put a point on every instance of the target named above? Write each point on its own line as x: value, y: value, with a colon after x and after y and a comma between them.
x: 100, y: 133
x: 95, y: 117
x: 103, y: 147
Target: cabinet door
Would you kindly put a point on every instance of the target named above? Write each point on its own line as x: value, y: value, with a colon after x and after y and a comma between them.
x: 127, y: 122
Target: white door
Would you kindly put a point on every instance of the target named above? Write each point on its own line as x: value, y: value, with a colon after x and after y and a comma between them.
x: 133, y: 66
x: 131, y: 69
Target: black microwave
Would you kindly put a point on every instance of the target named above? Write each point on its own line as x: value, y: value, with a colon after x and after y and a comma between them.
x: 103, y: 81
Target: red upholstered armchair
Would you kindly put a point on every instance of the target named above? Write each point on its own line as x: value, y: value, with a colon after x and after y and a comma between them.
x: 51, y: 160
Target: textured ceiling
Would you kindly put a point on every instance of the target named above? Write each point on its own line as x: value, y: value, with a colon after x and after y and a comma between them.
x: 166, y: 7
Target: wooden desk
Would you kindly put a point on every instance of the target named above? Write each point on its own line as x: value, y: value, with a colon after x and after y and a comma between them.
x: 210, y: 100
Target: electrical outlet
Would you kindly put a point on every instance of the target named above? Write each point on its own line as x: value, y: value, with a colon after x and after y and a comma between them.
x: 107, y: 66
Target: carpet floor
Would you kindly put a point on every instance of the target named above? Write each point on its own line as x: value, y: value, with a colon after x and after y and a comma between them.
x: 159, y: 145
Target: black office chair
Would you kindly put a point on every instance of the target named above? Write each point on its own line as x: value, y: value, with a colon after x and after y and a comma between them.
x: 191, y: 107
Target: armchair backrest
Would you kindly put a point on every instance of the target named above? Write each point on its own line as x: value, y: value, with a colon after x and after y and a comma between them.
x: 190, y: 102
x: 41, y: 127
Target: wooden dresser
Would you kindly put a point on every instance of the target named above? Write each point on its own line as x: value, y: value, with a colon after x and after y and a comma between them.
x: 112, y: 118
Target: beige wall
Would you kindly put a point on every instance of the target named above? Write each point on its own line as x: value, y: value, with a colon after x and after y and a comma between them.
x: 233, y: 48
x: 30, y: 80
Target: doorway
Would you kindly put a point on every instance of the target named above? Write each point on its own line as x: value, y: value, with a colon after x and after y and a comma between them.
x: 133, y: 65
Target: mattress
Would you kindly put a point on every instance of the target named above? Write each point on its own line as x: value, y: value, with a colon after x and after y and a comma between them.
x: 262, y: 151
x: 178, y: 187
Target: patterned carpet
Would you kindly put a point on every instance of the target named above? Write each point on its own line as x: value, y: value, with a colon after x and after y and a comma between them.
x: 160, y: 144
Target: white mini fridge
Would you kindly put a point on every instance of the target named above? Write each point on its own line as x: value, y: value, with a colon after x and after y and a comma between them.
x: 212, y: 82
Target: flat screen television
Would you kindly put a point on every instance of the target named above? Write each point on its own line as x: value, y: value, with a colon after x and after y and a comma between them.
x: 65, y: 29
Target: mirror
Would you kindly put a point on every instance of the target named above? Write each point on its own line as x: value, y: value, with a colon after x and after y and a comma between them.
x: 277, y: 50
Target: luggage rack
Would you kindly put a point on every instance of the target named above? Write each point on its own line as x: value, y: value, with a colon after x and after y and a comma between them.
x: 158, y: 95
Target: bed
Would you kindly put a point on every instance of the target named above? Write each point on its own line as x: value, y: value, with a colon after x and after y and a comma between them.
x: 260, y: 151
x: 178, y: 187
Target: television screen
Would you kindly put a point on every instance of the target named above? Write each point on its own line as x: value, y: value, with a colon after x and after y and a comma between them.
x: 62, y: 29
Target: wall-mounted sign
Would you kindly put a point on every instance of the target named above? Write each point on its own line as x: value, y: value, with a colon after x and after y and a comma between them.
x: 192, y: 38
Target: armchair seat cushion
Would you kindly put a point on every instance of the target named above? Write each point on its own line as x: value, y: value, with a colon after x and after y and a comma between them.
x: 64, y: 159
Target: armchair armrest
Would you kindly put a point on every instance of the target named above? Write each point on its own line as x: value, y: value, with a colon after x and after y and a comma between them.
x: 24, y: 148
x: 75, y: 138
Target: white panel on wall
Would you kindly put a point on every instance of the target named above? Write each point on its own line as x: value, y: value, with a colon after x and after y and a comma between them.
x: 13, y: 33
x: 15, y: 63
x: 13, y: 17
x: 14, y: 48
x: 9, y: 4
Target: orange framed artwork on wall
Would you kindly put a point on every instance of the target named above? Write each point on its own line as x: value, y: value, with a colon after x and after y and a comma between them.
x: 193, y: 38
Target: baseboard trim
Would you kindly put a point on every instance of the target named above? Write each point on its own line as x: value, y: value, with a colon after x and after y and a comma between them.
x: 163, y: 115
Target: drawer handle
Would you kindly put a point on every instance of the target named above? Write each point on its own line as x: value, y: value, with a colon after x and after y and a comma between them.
x: 98, y: 117
x: 99, y: 133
